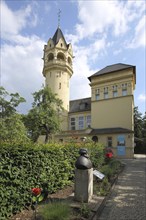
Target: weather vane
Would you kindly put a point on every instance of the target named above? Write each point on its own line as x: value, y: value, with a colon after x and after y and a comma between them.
x: 59, y: 12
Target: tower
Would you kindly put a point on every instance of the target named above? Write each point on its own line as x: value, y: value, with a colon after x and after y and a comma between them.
x: 58, y: 70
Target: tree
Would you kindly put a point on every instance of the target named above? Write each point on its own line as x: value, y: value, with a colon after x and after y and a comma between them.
x: 139, y: 131
x: 12, y: 129
x: 138, y: 123
x: 9, y: 102
x: 43, y: 118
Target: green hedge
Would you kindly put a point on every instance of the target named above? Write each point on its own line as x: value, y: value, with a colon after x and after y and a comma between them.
x: 50, y: 166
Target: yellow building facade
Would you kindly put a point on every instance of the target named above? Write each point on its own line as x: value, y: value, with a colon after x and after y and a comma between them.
x: 105, y: 117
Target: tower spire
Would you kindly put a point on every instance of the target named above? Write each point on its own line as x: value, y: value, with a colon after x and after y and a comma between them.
x: 59, y: 12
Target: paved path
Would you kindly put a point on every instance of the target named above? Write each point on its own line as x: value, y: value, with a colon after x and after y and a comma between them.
x: 128, y: 198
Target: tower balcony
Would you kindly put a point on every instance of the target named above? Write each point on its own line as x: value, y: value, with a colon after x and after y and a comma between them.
x: 57, y: 63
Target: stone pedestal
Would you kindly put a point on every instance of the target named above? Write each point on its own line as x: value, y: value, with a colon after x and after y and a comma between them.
x: 83, y: 185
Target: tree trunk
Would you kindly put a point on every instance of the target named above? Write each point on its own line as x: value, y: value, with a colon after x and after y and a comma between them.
x: 47, y: 133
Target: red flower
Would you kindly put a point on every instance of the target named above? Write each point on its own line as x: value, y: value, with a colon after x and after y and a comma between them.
x: 109, y: 155
x: 36, y: 191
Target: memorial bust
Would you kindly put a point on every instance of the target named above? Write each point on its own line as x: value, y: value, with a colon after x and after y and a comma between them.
x: 83, y: 162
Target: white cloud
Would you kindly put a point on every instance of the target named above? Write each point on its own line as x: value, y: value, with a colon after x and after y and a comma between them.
x: 139, y: 39
x: 21, y: 64
x: 142, y: 97
x: 22, y: 68
x: 12, y: 22
x: 99, y: 16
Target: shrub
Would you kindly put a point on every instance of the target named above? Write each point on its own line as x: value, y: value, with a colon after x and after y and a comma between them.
x: 50, y: 167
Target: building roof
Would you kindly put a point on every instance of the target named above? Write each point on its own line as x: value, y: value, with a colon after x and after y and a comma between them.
x: 112, y: 68
x: 117, y: 130
x: 58, y: 34
x: 80, y: 105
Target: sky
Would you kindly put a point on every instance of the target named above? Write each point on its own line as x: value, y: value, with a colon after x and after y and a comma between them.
x: 101, y: 32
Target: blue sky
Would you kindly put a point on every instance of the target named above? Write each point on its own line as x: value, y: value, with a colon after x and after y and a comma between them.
x: 101, y: 33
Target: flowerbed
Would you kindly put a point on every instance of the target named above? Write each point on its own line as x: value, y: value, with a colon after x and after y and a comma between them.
x: 49, y: 167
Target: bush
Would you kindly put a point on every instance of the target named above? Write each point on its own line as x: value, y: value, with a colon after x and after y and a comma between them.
x: 50, y: 167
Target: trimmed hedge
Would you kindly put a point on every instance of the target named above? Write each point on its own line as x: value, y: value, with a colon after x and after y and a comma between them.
x: 50, y: 167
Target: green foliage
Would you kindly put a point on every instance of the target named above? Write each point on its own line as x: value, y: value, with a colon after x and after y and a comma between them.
x: 50, y: 167
x: 43, y: 118
x: 9, y: 102
x: 12, y: 129
x: 55, y: 211
x: 103, y: 188
x: 85, y: 210
x: 138, y: 123
x: 110, y: 171
x: 139, y: 132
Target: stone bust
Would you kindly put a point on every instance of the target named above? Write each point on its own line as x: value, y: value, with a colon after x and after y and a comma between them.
x: 83, y: 162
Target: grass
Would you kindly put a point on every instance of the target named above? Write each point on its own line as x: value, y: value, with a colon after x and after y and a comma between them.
x: 55, y: 211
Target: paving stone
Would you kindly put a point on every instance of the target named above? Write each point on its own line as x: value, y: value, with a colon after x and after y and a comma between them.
x: 128, y: 198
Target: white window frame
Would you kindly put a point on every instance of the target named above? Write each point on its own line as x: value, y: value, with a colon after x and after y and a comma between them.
x: 81, y: 122
x: 72, y: 123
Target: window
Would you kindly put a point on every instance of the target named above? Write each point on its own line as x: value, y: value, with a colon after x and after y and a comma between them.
x: 115, y: 91
x: 97, y: 95
x: 59, y: 85
x: 109, y: 142
x: 73, y: 124
x: 60, y: 56
x: 106, y: 93
x: 124, y: 89
x: 88, y: 120
x: 81, y: 122
x: 50, y: 57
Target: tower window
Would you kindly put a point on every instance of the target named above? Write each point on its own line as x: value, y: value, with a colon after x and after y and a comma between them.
x: 50, y: 56
x: 59, y: 85
x: 60, y: 56
x: 69, y: 60
x: 61, y: 45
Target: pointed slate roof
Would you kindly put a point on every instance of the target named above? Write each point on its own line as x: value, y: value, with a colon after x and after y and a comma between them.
x: 58, y: 34
x: 112, y: 68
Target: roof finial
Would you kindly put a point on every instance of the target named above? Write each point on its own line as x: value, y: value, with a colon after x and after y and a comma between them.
x: 59, y: 12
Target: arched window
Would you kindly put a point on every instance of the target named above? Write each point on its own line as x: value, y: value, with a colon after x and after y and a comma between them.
x: 50, y: 56
x: 60, y: 56
x: 69, y: 60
